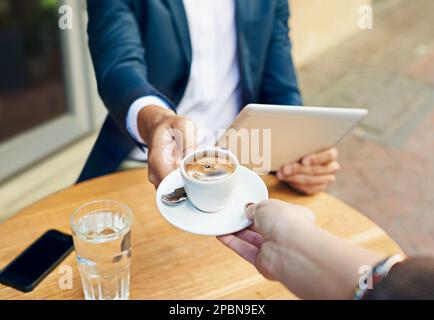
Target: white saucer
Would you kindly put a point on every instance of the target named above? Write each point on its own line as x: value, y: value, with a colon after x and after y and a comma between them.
x: 187, y: 217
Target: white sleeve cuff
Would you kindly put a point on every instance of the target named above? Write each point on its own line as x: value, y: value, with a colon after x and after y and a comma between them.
x: 134, y: 110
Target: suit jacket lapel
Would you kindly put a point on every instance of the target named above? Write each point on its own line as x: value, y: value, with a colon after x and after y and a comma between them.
x: 176, y: 7
x: 243, y: 8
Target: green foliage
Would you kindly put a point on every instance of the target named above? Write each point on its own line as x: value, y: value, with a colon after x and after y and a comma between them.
x: 48, y: 4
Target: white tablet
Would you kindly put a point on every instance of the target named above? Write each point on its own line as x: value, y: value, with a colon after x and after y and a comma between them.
x: 264, y: 137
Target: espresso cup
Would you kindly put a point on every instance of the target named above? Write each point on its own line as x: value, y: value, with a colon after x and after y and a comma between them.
x: 213, y: 193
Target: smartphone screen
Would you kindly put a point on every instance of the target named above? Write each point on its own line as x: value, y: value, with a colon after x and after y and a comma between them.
x: 39, y: 259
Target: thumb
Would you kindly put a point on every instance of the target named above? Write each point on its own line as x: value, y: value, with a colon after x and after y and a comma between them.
x: 250, y: 210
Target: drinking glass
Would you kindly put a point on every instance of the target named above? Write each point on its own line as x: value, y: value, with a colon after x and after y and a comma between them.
x: 102, y: 241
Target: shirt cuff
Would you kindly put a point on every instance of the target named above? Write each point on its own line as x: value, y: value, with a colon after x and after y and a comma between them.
x: 134, y: 110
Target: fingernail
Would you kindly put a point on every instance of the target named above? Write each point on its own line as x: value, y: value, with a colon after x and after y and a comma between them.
x: 306, y: 161
x: 249, y: 211
x: 287, y: 170
x: 248, y: 205
x: 279, y: 175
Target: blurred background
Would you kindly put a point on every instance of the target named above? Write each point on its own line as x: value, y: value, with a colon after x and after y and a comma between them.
x: 50, y: 111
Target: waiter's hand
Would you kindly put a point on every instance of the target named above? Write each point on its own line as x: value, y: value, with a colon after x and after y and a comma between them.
x: 311, y: 174
x: 169, y: 138
x: 285, y: 245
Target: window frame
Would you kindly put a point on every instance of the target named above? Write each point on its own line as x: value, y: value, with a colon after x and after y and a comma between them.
x: 84, y: 115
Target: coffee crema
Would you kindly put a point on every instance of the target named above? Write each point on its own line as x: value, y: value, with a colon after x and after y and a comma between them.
x: 209, y: 168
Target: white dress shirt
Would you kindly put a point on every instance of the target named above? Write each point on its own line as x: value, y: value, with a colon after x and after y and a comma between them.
x: 212, y: 97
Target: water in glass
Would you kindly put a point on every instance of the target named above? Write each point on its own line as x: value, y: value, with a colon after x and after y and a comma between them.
x: 102, y: 240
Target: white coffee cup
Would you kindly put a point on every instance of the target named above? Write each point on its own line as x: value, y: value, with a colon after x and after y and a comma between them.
x: 210, y: 196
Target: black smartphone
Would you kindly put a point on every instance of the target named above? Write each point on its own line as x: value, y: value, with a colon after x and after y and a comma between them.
x: 37, y: 261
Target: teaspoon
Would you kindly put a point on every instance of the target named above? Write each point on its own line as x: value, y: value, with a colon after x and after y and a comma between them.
x: 175, y: 197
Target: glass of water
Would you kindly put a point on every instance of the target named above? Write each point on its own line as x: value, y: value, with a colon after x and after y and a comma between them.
x: 102, y: 241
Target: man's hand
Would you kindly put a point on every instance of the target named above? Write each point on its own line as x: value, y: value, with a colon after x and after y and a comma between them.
x: 169, y: 138
x: 285, y: 245
x: 313, y: 173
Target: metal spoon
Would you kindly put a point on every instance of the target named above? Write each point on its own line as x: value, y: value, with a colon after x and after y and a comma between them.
x: 175, y: 197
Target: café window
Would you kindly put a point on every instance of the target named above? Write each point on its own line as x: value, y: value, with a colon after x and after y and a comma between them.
x: 45, y: 81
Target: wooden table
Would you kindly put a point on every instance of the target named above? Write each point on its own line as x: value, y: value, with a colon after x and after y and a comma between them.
x: 168, y: 263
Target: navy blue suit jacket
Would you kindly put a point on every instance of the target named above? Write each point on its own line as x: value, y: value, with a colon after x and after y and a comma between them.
x: 142, y: 47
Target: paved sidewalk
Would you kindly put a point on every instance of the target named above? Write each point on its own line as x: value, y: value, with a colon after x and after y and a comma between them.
x: 388, y: 167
